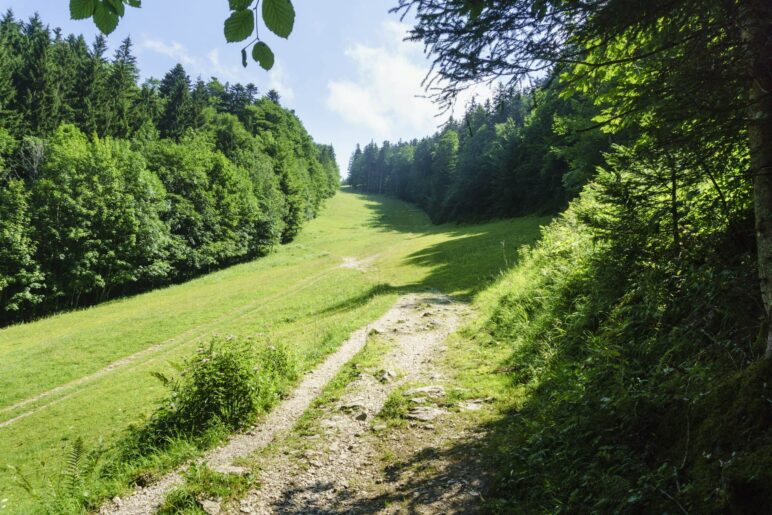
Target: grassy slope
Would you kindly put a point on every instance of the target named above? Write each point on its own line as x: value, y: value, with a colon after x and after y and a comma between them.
x: 300, y: 295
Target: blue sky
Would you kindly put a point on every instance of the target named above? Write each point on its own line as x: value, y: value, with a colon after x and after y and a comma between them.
x: 345, y: 69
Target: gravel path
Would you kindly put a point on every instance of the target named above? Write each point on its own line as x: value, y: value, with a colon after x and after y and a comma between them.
x: 335, y: 473
x: 404, y: 316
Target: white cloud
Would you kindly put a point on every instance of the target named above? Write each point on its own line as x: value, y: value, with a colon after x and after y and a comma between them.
x: 357, y: 106
x: 175, y: 50
x: 387, y: 97
x: 279, y: 80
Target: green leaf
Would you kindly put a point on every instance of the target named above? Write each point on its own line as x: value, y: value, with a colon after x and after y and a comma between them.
x: 81, y: 9
x: 237, y: 5
x: 116, y: 6
x: 239, y: 26
x: 134, y: 3
x: 279, y: 17
x: 475, y: 8
x: 263, y: 54
x: 105, y: 20
x: 244, y: 57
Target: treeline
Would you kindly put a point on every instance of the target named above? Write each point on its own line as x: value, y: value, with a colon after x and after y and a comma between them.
x: 636, y: 323
x: 109, y: 187
x: 639, y: 324
x: 518, y: 153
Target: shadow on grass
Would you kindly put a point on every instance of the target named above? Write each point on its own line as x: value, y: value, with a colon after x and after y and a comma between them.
x: 566, y: 445
x: 357, y: 301
x: 470, y: 256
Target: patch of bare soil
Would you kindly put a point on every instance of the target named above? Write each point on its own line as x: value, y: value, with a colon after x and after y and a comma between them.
x: 358, y: 463
x: 363, y: 265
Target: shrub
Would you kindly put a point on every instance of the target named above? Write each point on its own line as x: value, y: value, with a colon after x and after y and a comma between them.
x: 203, y: 483
x: 224, y: 386
x: 395, y: 407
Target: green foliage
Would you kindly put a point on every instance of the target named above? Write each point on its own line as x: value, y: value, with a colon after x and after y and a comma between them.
x: 225, y: 385
x: 81, y: 9
x: 395, y: 407
x: 67, y: 493
x: 203, y: 483
x: 20, y: 277
x: 239, y: 25
x: 110, y: 188
x: 99, y: 207
x: 105, y: 13
x: 627, y: 346
x: 279, y: 17
x: 518, y: 154
x: 263, y: 55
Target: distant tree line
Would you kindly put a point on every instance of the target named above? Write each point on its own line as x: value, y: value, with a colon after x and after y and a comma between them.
x: 109, y: 187
x: 640, y: 323
x: 520, y: 152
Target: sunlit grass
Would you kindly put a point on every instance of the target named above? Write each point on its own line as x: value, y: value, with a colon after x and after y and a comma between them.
x: 299, y: 295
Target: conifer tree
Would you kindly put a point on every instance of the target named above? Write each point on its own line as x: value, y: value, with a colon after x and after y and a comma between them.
x: 178, y: 114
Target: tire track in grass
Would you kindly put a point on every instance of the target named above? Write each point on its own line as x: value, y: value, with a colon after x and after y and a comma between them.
x: 191, y: 335
x: 284, y: 416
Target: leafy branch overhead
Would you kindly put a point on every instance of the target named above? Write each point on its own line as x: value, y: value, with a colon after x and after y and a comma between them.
x: 278, y: 16
x: 105, y: 13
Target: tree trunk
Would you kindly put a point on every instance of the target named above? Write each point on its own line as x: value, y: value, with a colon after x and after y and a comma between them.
x: 674, y: 207
x: 757, y: 35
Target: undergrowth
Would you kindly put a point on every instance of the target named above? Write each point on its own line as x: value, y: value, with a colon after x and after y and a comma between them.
x: 221, y: 389
x: 395, y: 408
x: 645, y: 390
x: 202, y: 483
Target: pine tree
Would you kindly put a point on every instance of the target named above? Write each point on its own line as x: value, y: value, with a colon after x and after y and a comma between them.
x: 35, y: 82
x: 121, y: 82
x: 178, y: 114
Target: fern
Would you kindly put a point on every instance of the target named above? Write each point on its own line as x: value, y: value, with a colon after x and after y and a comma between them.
x: 23, y: 482
x: 161, y: 377
x: 73, y: 473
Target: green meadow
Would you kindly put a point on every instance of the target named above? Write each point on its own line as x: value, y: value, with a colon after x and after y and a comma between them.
x: 88, y: 373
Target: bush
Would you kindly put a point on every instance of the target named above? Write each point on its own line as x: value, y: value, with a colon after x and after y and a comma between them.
x: 203, y: 483
x: 224, y: 386
x: 395, y: 408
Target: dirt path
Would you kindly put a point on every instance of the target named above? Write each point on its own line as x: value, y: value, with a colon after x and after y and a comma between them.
x: 405, y: 315
x: 341, y: 469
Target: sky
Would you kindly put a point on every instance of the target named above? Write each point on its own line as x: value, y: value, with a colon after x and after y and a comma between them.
x: 345, y: 69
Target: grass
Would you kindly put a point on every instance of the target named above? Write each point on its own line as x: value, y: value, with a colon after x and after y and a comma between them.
x: 395, y: 408
x: 299, y: 296
x: 203, y: 483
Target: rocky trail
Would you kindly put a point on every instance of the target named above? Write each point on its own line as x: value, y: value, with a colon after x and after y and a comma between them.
x: 355, y: 460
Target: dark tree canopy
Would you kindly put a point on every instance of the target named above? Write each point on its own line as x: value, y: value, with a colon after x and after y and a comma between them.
x: 694, y: 76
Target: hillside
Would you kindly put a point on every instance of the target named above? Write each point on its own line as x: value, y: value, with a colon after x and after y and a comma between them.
x: 88, y: 373
x: 544, y: 287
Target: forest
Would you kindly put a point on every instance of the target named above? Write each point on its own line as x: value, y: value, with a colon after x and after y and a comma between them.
x: 111, y: 187
x: 520, y: 152
x: 640, y: 322
x: 560, y: 301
